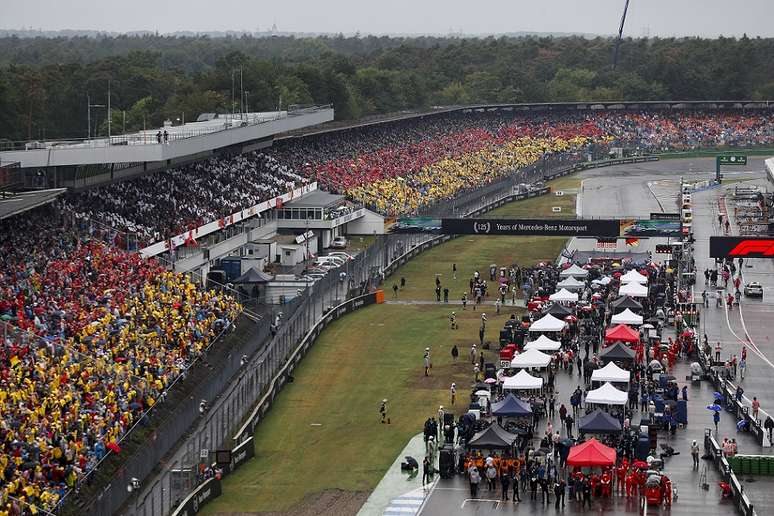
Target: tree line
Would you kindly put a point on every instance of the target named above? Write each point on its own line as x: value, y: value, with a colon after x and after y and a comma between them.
x: 44, y: 82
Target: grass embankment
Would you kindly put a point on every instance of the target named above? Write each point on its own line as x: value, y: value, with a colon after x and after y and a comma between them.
x: 323, y: 433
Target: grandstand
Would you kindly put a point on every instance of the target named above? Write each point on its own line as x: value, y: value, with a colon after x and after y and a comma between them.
x: 97, y: 334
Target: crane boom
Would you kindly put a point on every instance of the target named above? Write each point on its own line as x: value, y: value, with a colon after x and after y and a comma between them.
x: 620, y: 34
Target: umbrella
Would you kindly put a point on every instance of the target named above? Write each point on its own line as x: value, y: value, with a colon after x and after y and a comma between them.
x: 490, y: 381
x: 483, y: 392
x: 717, y: 395
x: 566, y: 442
x: 570, y: 318
x: 714, y: 408
x: 647, y: 326
x: 671, y: 403
x: 640, y: 464
x: 655, y: 364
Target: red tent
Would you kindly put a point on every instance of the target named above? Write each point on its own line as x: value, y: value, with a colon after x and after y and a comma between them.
x: 622, y: 333
x: 591, y: 454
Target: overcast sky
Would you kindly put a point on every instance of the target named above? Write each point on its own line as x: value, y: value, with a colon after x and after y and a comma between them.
x: 646, y: 17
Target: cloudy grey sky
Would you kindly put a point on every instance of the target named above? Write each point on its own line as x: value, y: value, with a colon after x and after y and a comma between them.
x: 646, y: 17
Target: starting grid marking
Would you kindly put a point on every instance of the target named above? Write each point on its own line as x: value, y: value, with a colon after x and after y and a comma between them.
x: 466, y: 500
x: 407, y: 504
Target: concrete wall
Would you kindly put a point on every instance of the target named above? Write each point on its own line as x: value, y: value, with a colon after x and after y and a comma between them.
x: 369, y: 224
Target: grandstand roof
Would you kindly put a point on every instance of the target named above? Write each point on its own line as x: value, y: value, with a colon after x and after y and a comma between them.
x: 315, y: 199
x: 24, y: 201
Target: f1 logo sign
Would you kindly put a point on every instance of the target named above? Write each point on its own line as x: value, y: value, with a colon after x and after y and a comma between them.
x: 755, y: 247
x: 741, y: 247
x: 482, y: 227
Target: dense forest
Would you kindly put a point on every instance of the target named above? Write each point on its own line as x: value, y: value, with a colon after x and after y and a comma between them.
x: 44, y: 82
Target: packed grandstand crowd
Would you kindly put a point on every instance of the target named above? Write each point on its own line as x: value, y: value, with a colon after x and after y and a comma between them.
x: 397, y: 167
x: 93, y: 336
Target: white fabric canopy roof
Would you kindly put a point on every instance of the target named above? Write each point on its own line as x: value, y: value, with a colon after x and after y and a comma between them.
x: 564, y: 295
x: 610, y: 373
x: 543, y: 343
x: 574, y: 270
x: 547, y: 323
x: 633, y: 277
x: 522, y: 380
x: 607, y: 395
x: 571, y: 284
x: 633, y: 290
x: 530, y: 358
x: 626, y: 317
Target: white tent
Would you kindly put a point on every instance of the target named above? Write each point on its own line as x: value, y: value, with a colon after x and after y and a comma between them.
x: 610, y: 373
x: 633, y: 277
x: 626, y: 317
x: 547, y: 323
x: 543, y: 343
x: 633, y: 290
x: 607, y: 395
x: 522, y: 380
x: 564, y: 295
x: 604, y: 280
x: 530, y: 358
x: 571, y: 284
x: 575, y: 271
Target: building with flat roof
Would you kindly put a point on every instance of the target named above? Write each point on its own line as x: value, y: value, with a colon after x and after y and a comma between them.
x: 82, y: 163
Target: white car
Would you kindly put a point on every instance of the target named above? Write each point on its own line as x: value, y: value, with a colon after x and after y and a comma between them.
x: 341, y: 254
x: 339, y: 242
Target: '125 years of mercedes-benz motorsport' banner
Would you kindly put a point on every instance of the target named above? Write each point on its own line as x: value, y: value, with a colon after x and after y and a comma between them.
x: 544, y: 227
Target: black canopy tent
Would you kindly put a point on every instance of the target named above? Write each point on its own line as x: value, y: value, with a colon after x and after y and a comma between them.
x: 559, y: 311
x: 618, y: 352
x: 493, y: 437
x: 599, y: 422
x: 511, y: 406
x: 624, y: 302
x: 253, y: 275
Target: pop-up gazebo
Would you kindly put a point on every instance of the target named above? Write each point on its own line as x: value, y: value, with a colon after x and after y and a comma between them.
x: 574, y: 271
x: 522, y: 380
x: 607, y: 395
x: 547, y: 323
x: 633, y: 277
x: 530, y: 358
x: 622, y: 333
x: 543, y: 343
x: 511, y: 406
x: 610, y: 373
x: 493, y: 437
x: 626, y: 317
x: 564, y: 296
x: 599, y: 422
x: 571, y: 284
x: 633, y: 290
x: 591, y: 454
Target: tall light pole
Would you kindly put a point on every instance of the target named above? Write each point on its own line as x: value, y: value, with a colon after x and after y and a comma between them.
x: 109, y: 114
x: 89, y: 105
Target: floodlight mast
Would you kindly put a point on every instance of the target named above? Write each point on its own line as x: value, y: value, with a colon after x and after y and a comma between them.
x: 620, y: 35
